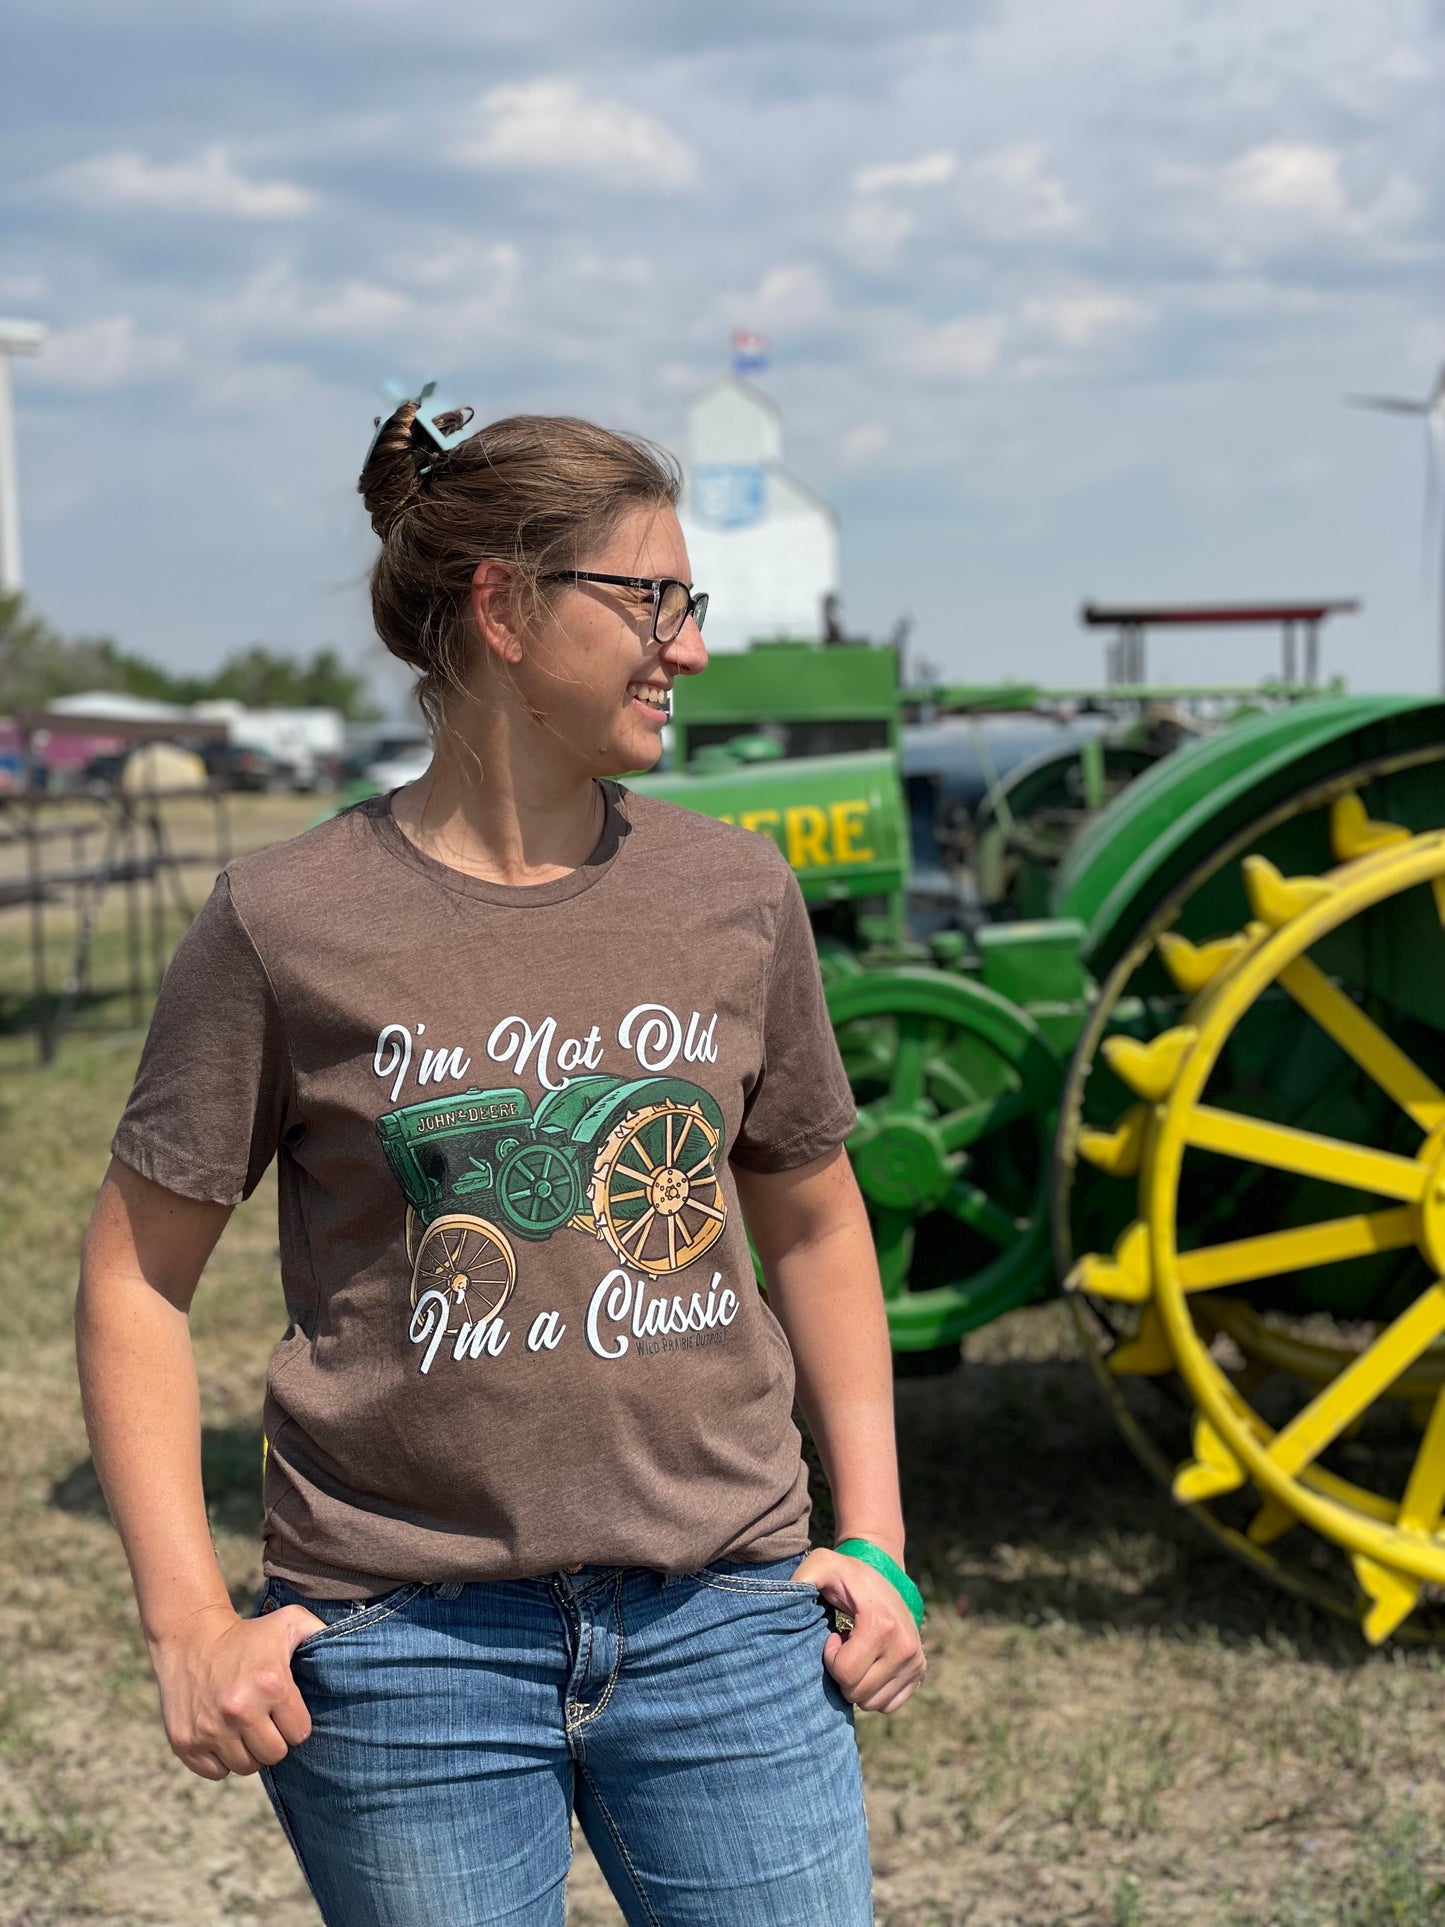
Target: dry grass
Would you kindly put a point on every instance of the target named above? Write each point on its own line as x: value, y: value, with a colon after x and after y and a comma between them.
x: 1119, y: 1727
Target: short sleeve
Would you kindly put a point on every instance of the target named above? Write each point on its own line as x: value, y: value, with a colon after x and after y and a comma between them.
x: 800, y: 1106
x: 211, y: 1093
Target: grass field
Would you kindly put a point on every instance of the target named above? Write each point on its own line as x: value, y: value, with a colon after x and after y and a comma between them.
x: 1119, y: 1725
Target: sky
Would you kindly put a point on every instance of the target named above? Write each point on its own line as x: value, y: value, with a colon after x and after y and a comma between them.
x: 1064, y: 296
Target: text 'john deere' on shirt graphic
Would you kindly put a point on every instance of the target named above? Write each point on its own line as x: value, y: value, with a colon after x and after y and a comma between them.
x: 631, y: 1161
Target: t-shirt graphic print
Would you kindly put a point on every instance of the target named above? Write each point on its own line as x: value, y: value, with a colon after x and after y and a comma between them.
x: 631, y: 1162
x: 524, y: 1328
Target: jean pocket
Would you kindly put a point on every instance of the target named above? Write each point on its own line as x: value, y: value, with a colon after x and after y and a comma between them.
x: 342, y: 1616
x: 767, y: 1576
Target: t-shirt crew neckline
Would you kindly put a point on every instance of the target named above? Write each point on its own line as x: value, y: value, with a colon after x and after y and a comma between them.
x: 520, y: 896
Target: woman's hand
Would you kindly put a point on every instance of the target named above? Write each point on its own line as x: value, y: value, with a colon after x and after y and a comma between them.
x: 228, y: 1698
x: 880, y: 1663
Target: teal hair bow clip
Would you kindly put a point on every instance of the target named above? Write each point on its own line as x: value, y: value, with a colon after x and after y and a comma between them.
x: 431, y: 412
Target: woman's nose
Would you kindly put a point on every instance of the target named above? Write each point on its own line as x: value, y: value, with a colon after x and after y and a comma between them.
x: 686, y: 654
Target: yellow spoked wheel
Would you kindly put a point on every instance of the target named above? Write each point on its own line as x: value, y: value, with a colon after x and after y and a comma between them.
x: 1307, y: 1343
x: 1311, y: 1354
x: 656, y: 1196
x: 470, y: 1260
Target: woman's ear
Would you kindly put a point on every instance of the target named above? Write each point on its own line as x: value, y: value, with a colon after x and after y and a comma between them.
x: 494, y: 610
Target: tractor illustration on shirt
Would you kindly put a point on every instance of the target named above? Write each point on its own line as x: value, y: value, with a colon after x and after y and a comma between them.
x: 630, y: 1161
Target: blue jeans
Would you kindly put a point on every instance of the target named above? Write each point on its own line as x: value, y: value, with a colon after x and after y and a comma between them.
x: 710, y: 1756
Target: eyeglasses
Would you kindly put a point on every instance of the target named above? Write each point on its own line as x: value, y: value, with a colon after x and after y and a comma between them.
x: 672, y: 601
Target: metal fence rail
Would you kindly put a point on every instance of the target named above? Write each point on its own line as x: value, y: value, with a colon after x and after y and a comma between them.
x: 119, y: 841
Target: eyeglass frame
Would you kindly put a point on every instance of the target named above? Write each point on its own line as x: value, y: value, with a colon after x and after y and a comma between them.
x: 696, y: 604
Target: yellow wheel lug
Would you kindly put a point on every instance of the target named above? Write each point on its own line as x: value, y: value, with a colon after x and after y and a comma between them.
x: 1271, y: 1522
x: 1192, y: 966
x: 1212, y: 1471
x: 1353, y: 832
x: 1275, y: 899
x: 1148, y: 1354
x: 1124, y: 1277
x: 1120, y: 1151
x: 1150, y: 1069
x: 1392, y: 1595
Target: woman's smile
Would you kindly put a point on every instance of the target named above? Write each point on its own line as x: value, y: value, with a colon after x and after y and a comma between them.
x: 652, y: 699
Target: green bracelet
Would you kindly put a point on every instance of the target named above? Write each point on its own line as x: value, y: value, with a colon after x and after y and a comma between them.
x: 876, y: 1557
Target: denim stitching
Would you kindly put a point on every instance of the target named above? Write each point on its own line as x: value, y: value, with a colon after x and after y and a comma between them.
x: 595, y: 1585
x: 613, y: 1677
x: 579, y: 1665
x: 359, y: 1622
x: 734, y: 1582
x: 621, y: 1847
x: 571, y: 1622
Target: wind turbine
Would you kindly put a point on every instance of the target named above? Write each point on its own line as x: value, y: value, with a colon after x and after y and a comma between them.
x: 1431, y: 410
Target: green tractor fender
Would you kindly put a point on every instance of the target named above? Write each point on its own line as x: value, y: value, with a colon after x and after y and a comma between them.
x: 1180, y: 812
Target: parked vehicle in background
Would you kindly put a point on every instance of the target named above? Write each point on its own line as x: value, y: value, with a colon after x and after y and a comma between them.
x: 238, y: 766
x: 305, y: 742
x: 405, y: 766
x: 101, y: 774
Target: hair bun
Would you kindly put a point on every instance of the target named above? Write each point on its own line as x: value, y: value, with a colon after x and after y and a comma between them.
x: 451, y: 421
x: 390, y: 481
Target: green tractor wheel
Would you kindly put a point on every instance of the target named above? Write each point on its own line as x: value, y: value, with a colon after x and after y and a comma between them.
x: 655, y: 1194
x: 956, y: 1091
x: 539, y: 1188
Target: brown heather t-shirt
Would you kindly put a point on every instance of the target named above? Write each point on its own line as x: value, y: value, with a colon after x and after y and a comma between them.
x: 525, y: 1331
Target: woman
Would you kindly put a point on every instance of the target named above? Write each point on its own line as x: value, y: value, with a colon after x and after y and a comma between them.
x: 529, y: 1049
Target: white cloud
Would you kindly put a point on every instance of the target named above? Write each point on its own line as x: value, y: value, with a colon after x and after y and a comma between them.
x: 1251, y: 298
x: 867, y: 440
x: 459, y: 265
x: 1406, y: 66
x: 796, y: 296
x: 1012, y: 192
x: 1040, y: 337
x: 276, y: 302
x: 110, y: 352
x: 1003, y: 195
x: 208, y: 183
x: 874, y: 229
x: 969, y: 346
x: 1083, y: 319
x: 929, y: 170
x: 1289, y: 177
x: 1286, y: 195
x: 551, y: 127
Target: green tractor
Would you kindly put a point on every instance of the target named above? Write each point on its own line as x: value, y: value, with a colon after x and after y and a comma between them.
x: 1204, y: 1094
x: 632, y: 1162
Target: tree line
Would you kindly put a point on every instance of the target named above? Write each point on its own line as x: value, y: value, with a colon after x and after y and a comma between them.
x: 37, y: 664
